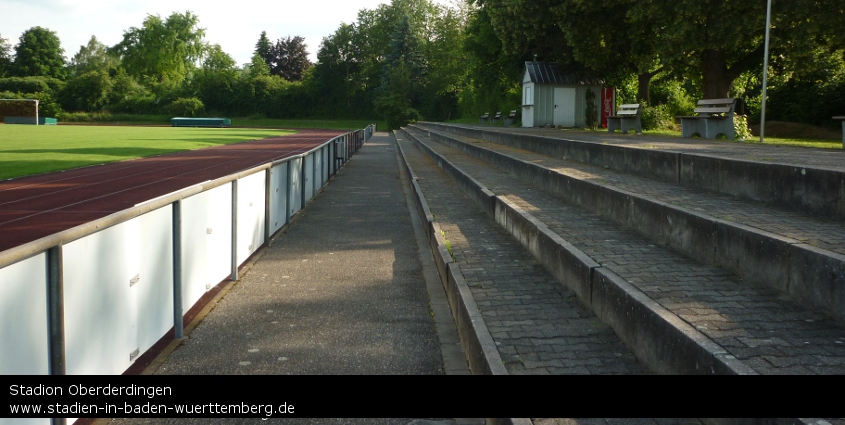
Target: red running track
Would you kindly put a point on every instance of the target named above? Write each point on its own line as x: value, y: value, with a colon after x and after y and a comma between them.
x: 39, y: 206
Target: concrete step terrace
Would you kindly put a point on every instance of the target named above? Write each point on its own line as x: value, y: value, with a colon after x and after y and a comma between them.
x: 676, y: 314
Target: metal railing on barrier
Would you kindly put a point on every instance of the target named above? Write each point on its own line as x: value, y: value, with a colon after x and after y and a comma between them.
x: 93, y: 298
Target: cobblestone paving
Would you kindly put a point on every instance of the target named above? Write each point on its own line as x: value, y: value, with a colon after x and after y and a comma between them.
x: 539, y: 326
x: 770, y: 334
x: 819, y: 232
x: 792, y: 155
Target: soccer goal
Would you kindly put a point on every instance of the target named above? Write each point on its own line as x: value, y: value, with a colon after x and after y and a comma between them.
x: 18, y: 111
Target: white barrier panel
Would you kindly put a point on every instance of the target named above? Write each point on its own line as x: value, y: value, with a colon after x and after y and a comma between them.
x: 318, y: 169
x: 295, y: 184
x: 325, y: 151
x: 250, y: 215
x: 101, y: 277
x: 206, y: 242
x: 24, y: 336
x: 278, y: 196
x: 308, y: 181
x: 155, y: 286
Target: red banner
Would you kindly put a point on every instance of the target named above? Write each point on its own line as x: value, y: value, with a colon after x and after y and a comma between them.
x: 608, y: 103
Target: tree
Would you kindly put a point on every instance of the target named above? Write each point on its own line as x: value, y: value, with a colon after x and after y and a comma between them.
x: 39, y: 53
x: 394, y: 101
x: 492, y: 72
x: 336, y: 72
x: 93, y: 57
x: 257, y: 67
x: 216, y: 79
x: 289, y: 58
x: 264, y: 48
x: 527, y: 27
x: 714, y: 42
x: 162, y: 50
x: 86, y: 92
x: 402, y: 77
x: 5, y: 57
x: 604, y: 37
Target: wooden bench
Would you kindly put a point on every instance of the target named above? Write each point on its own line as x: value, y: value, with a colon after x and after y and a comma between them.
x: 511, y: 118
x: 628, y: 117
x: 714, y: 117
x: 496, y: 117
x: 485, y: 117
x: 842, y: 118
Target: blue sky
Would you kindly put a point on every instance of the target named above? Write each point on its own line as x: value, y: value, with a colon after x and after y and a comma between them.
x: 235, y: 26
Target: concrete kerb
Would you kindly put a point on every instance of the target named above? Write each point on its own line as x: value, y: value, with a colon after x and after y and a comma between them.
x: 817, y: 190
x: 482, y: 355
x: 659, y: 339
x: 818, y: 283
x: 664, y: 165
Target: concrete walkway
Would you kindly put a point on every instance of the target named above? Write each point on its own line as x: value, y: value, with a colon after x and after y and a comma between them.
x: 341, y: 291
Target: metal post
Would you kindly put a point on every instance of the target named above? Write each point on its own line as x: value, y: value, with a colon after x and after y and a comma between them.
x: 178, y: 325
x: 36, y: 112
x: 267, y: 193
x: 234, y: 276
x: 765, y: 69
x: 302, y: 183
x: 333, y: 155
x: 289, y: 193
x: 55, y: 294
x: 314, y: 185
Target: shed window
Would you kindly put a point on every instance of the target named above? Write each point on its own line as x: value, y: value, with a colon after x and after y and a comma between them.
x: 526, y: 95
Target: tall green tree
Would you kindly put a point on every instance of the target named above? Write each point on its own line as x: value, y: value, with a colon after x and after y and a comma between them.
x: 94, y: 56
x: 446, y: 61
x: 216, y: 80
x: 86, y: 92
x: 257, y: 67
x: 264, y: 48
x: 5, y: 57
x: 162, y: 49
x: 39, y: 54
x: 336, y: 72
x: 605, y: 38
x: 402, y: 83
x: 492, y: 72
x: 714, y: 42
x: 352, y: 62
x: 527, y: 27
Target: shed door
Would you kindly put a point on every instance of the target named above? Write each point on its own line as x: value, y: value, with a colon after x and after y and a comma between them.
x: 564, y: 106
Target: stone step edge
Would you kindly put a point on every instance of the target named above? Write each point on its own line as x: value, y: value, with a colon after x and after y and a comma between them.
x: 482, y: 355
x: 660, y: 339
x: 814, y: 189
x: 811, y: 276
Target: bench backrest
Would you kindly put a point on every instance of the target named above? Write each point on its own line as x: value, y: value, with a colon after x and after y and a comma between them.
x: 512, y: 114
x: 486, y: 114
x: 711, y: 107
x: 498, y: 115
x: 628, y: 109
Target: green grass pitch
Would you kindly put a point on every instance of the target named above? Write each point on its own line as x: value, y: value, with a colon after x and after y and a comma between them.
x: 28, y: 149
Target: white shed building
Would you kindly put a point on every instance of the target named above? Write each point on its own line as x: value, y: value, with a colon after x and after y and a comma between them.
x: 551, y: 97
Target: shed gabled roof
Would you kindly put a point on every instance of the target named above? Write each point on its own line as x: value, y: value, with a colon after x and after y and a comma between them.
x: 548, y: 73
